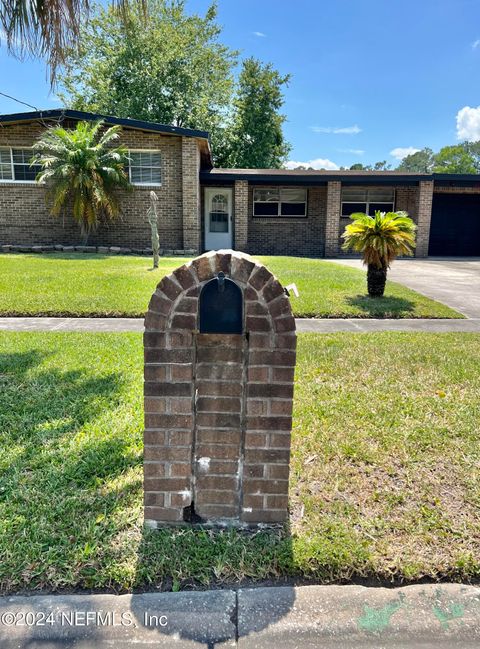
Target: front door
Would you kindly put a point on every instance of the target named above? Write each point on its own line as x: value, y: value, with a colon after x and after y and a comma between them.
x: 218, y: 218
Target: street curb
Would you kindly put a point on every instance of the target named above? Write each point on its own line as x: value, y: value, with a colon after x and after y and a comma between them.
x: 307, y: 617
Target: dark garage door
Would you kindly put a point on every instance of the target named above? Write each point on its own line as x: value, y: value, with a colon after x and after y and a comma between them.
x: 455, y: 226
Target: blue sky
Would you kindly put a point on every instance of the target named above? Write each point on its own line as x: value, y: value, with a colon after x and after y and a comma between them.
x: 368, y: 76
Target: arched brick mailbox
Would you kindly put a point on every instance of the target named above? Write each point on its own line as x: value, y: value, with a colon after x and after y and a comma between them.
x: 219, y: 368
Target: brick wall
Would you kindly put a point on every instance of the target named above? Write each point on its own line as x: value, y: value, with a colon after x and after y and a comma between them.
x: 425, y: 196
x: 240, y: 212
x: 406, y: 200
x: 25, y: 218
x: 218, y: 407
x: 455, y: 190
x: 334, y: 188
x: 290, y: 236
x: 191, y: 194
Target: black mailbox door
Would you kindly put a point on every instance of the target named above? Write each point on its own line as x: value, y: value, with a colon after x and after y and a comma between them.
x: 221, y: 307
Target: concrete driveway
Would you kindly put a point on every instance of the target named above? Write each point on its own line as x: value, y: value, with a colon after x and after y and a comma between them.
x: 454, y: 281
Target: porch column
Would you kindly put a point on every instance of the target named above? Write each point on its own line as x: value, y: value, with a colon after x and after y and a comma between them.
x: 241, y: 215
x: 191, y: 194
x: 425, y: 196
x: 334, y: 189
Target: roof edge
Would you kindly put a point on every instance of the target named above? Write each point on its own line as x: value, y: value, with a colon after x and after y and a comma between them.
x: 55, y: 113
x: 276, y: 176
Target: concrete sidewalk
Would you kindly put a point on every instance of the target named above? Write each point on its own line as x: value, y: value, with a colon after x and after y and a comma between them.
x: 312, y: 325
x: 308, y: 617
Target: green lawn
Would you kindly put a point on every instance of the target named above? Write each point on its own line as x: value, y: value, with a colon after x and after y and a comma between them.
x: 385, y: 471
x: 96, y: 285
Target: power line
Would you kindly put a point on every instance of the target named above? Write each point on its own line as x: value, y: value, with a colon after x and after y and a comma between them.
x: 18, y: 101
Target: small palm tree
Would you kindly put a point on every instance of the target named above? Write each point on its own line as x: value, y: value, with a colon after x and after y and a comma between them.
x: 380, y: 239
x: 81, y: 168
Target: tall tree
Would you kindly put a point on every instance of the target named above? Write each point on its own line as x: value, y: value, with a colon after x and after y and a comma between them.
x: 418, y: 162
x: 456, y: 159
x: 171, y: 69
x: 257, y: 139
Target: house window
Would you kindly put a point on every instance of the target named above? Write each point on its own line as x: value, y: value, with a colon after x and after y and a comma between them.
x: 280, y: 202
x: 5, y: 165
x: 219, y: 214
x: 145, y: 168
x: 15, y: 165
x: 22, y: 170
x: 367, y: 201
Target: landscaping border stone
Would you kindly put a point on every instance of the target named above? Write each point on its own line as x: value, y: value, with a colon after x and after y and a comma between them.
x: 102, y: 250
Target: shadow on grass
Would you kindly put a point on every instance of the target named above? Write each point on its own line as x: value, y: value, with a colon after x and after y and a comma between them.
x: 69, y: 508
x: 19, y: 363
x: 381, y: 307
x: 61, y: 472
x: 226, y: 557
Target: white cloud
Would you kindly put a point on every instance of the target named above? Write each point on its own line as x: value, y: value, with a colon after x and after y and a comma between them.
x: 475, y: 44
x: 259, y: 34
x: 318, y: 163
x: 401, y: 152
x: 353, y: 151
x: 468, y: 123
x: 344, y: 130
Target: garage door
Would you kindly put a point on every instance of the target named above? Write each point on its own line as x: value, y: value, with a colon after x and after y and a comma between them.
x: 455, y: 226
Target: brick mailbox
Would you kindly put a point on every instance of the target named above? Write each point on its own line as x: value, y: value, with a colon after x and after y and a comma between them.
x: 219, y: 370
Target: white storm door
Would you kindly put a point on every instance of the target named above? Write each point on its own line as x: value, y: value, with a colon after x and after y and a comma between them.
x: 218, y: 218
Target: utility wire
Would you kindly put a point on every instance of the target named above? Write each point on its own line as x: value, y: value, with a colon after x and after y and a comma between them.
x: 18, y: 101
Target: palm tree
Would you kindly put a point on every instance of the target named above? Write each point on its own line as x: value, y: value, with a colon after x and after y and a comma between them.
x: 380, y: 239
x: 48, y: 29
x: 82, y: 169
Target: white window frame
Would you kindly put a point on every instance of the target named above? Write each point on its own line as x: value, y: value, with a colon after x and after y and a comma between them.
x: 367, y: 201
x: 278, y: 215
x: 12, y: 166
x: 136, y: 184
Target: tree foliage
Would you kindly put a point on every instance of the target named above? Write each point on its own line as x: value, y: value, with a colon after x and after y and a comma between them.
x: 463, y: 158
x: 82, y: 168
x: 171, y: 69
x: 380, y: 239
x: 418, y: 162
x: 455, y: 159
x: 48, y: 29
x: 382, y: 165
x: 257, y: 139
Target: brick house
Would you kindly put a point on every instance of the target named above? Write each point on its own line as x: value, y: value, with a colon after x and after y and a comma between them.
x: 260, y: 211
